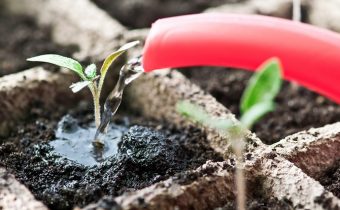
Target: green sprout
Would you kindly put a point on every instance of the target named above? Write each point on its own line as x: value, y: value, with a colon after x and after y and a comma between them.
x: 257, y: 100
x: 88, y: 76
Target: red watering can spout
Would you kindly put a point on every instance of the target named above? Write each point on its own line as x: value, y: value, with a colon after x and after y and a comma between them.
x: 309, y: 55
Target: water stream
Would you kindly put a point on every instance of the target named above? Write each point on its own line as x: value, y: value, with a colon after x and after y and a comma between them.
x: 77, y: 143
x: 129, y: 72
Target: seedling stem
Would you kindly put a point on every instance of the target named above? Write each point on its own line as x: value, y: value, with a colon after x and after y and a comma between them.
x: 257, y: 100
x: 89, y: 75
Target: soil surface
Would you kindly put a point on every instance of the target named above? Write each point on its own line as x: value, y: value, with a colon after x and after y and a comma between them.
x: 331, y: 179
x: 258, y: 198
x: 141, y: 13
x: 22, y: 38
x: 297, y: 108
x: 147, y: 153
x: 261, y: 204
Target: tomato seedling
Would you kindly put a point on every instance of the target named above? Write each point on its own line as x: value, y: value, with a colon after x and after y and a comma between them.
x: 257, y: 100
x: 88, y: 76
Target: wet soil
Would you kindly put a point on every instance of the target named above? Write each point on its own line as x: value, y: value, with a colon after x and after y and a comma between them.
x: 297, y: 108
x: 148, y: 152
x: 22, y: 38
x: 141, y: 13
x: 331, y: 179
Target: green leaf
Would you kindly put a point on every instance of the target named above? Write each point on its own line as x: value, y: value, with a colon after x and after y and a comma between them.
x: 256, y: 112
x: 60, y: 61
x: 192, y: 111
x: 76, y: 87
x: 197, y: 114
x: 91, y: 71
x: 220, y: 124
x: 113, y: 56
x: 263, y: 86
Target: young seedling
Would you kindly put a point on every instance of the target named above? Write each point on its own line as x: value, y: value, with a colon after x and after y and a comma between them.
x: 257, y: 100
x: 88, y: 75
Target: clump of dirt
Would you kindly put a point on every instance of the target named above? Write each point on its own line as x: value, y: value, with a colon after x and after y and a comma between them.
x: 147, y: 153
x: 297, y: 108
x: 22, y: 38
x: 141, y: 13
x: 330, y: 179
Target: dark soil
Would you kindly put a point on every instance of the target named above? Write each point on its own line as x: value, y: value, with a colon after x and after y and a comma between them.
x: 142, y: 13
x: 108, y: 203
x: 331, y: 179
x: 258, y: 198
x: 261, y: 204
x: 147, y: 153
x: 22, y: 38
x: 297, y: 108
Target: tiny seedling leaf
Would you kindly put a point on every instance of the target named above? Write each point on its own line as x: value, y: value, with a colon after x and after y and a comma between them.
x: 113, y: 56
x: 256, y: 112
x: 197, y: 114
x: 91, y: 71
x: 263, y: 86
x: 192, y: 111
x: 60, y: 61
x: 76, y: 87
x: 221, y: 125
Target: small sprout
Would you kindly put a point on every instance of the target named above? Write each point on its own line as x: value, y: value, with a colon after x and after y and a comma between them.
x: 91, y: 71
x: 257, y: 100
x: 89, y: 75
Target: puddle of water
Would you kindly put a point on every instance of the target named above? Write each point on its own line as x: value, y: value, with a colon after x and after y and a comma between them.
x: 75, y: 143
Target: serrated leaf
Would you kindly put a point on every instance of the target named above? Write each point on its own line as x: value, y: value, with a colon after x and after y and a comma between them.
x: 256, y: 112
x: 91, y: 71
x: 76, y: 87
x: 263, y: 86
x: 60, y: 61
x: 113, y: 56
